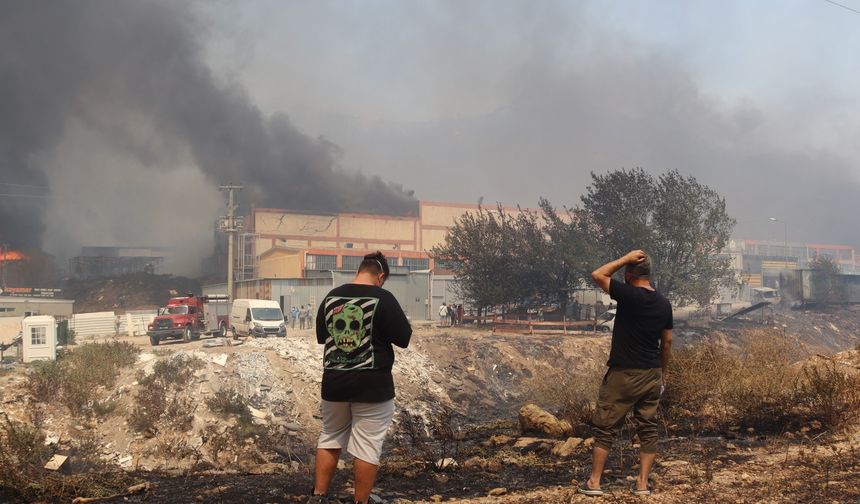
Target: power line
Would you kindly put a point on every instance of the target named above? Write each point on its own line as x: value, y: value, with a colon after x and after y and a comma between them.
x: 855, y: 11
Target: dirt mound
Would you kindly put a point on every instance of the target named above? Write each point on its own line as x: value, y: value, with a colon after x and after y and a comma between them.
x: 137, y: 291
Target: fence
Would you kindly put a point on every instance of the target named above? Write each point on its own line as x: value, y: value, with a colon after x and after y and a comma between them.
x: 538, y: 327
x: 132, y: 323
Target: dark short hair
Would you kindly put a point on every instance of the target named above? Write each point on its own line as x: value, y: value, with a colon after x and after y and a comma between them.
x: 641, y: 270
x: 375, y: 263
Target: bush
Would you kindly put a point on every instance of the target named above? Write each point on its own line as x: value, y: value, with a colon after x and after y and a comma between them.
x: 23, y: 454
x: 758, y: 384
x: 572, y: 396
x: 74, y: 380
x: 160, y: 397
x: 45, y: 380
x: 829, y: 392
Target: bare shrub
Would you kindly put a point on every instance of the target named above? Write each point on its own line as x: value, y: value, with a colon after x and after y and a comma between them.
x: 830, y: 393
x: 432, y: 439
x: 159, y: 397
x: 228, y: 401
x: 754, y: 384
x: 74, y: 380
x: 23, y: 454
x: 44, y: 380
x: 572, y: 395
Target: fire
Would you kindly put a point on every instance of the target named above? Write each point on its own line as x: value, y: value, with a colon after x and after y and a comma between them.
x: 13, y: 255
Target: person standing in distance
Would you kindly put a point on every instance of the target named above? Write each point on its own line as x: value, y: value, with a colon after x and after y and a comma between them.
x: 358, y: 323
x: 640, y: 352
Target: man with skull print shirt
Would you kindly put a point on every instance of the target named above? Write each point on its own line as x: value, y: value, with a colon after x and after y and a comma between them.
x: 358, y: 323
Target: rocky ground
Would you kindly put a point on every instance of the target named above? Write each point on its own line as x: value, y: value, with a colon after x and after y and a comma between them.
x: 459, y: 391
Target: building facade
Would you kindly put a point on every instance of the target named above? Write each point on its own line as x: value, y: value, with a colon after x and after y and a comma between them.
x: 289, y: 244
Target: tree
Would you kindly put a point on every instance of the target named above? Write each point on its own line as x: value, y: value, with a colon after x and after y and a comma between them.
x: 484, y: 251
x: 680, y: 223
x: 563, y: 263
x: 825, y: 279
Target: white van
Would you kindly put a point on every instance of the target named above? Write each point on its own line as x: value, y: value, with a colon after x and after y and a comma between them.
x: 257, y: 317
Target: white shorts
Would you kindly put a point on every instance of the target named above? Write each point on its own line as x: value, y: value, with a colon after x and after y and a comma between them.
x: 358, y: 427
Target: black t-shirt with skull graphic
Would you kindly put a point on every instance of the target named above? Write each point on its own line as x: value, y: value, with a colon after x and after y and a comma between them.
x: 358, y: 324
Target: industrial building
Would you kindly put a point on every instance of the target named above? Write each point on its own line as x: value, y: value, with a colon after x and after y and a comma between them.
x: 99, y: 262
x: 760, y: 262
x: 289, y: 244
x: 11, y: 306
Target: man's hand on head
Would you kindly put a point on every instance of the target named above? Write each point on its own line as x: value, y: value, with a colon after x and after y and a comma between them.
x: 635, y: 257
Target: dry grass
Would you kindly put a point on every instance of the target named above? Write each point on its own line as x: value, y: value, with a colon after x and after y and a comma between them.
x: 757, y: 385
x: 23, y: 455
x: 76, y: 379
x: 572, y: 396
x: 160, y: 397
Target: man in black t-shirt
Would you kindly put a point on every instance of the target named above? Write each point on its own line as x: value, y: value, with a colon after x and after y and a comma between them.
x: 357, y: 323
x: 640, y: 352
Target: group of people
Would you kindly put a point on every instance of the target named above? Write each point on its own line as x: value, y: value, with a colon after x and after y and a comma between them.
x: 451, y: 314
x: 360, y: 322
x: 304, y: 315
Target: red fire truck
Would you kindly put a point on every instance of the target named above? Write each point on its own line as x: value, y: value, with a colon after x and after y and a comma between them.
x: 188, y: 317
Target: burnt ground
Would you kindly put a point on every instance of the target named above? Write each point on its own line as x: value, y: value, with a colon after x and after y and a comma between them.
x: 483, y: 378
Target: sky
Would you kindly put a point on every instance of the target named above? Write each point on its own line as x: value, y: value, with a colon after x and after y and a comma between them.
x: 511, y: 101
x: 120, y: 119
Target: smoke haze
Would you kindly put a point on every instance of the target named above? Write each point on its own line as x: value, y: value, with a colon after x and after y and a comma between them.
x: 111, y: 106
x: 133, y: 112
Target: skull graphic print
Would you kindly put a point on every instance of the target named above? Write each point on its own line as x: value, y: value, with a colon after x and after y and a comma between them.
x: 350, y: 327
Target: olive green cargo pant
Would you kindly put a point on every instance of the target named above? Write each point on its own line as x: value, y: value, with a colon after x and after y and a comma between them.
x: 624, y: 389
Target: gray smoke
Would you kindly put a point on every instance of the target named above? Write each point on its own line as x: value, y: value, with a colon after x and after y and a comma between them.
x: 111, y: 106
x: 516, y: 100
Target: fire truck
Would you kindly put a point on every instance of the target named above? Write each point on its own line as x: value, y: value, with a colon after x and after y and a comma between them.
x: 189, y: 316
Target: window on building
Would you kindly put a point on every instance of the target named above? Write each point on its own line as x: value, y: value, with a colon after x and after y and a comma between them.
x: 321, y: 262
x: 4, y: 309
x: 448, y: 265
x: 38, y: 335
x: 351, y: 263
x: 413, y: 264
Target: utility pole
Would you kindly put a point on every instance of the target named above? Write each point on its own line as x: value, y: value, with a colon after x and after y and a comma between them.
x: 230, y: 225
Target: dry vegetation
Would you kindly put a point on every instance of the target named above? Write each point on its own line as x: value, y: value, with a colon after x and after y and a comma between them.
x: 77, y: 379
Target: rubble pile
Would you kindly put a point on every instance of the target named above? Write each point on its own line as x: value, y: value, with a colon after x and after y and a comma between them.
x: 137, y: 291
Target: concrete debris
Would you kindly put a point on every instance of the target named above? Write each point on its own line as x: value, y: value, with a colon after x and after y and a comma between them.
x: 56, y: 462
x: 220, y: 359
x: 215, y: 342
x: 51, y: 439
x: 497, y: 492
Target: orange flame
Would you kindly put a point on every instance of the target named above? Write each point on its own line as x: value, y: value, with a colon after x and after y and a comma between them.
x: 13, y: 255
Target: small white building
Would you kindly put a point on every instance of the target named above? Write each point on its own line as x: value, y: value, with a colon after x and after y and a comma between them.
x: 39, y: 338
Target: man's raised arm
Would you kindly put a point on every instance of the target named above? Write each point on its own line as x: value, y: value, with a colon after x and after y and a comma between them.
x: 603, y: 274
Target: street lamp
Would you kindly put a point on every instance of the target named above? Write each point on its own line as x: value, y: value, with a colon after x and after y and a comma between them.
x: 785, y: 236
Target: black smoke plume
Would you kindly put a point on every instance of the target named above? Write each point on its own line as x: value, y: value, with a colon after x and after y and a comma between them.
x: 134, y: 72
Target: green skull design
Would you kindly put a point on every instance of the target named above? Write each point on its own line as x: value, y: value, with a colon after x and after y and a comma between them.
x: 347, y: 327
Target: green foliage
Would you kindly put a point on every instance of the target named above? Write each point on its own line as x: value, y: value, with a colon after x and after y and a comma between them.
x: 680, y: 223
x: 826, y: 282
x: 512, y: 258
